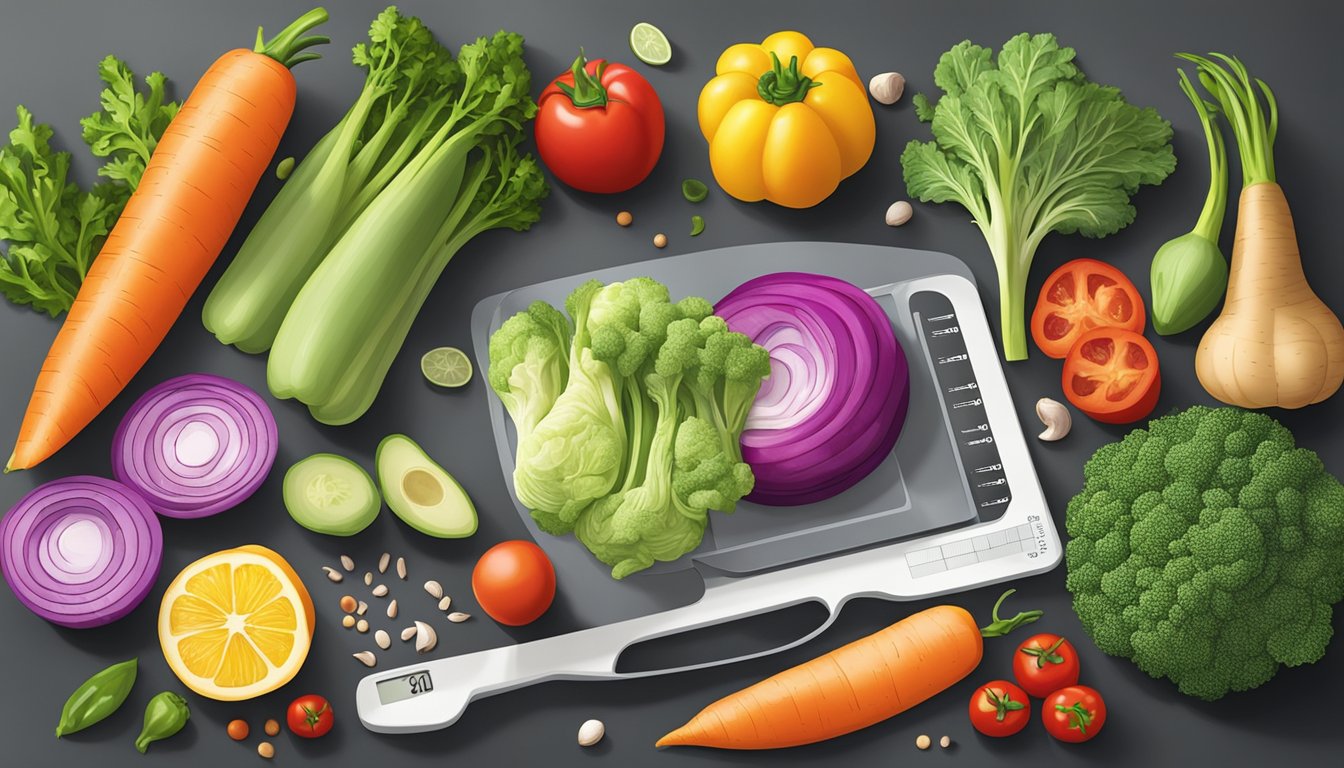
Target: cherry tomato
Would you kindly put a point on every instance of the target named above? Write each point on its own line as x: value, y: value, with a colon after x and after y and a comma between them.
x: 999, y: 708
x: 1112, y: 375
x: 514, y: 582
x: 1082, y: 295
x: 599, y: 127
x: 1074, y: 714
x: 1045, y: 663
x: 310, y: 716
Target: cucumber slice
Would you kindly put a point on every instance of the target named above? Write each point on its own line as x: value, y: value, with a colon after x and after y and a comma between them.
x: 421, y: 492
x: 331, y: 494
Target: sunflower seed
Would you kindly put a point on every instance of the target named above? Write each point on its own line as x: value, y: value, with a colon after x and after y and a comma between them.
x: 333, y: 574
x: 380, y: 590
x: 445, y: 602
x: 368, y: 578
x: 392, y: 609
x: 434, y: 588
x: 383, y: 561
x: 408, y: 633
x: 457, y: 617
x: 425, y: 637
x: 401, y: 568
x: 366, y: 658
x: 362, y: 626
x: 363, y: 608
x: 380, y: 637
x: 348, y: 563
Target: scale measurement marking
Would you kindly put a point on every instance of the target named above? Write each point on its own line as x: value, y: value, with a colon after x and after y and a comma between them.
x: 969, y: 403
x: 1027, y: 538
x: 989, y: 468
x: 940, y: 318
x: 972, y: 430
x: 964, y: 387
x: 951, y: 359
x: 949, y: 331
x: 986, y: 440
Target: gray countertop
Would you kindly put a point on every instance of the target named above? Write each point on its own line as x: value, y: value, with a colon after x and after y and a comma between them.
x: 48, y: 62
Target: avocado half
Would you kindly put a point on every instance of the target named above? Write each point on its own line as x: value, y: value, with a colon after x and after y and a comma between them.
x: 421, y: 492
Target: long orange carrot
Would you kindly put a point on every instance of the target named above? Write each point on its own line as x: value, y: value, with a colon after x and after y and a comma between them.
x: 191, y: 195
x: 852, y: 687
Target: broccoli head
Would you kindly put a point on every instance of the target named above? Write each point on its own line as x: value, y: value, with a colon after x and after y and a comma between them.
x: 1209, y: 549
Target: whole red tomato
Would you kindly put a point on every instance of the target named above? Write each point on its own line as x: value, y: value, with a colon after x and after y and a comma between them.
x: 999, y: 708
x: 1074, y: 714
x: 514, y: 582
x: 310, y: 716
x: 599, y: 127
x: 1045, y: 663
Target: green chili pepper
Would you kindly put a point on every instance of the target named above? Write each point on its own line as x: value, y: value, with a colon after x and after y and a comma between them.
x: 97, y: 698
x: 697, y: 225
x: 694, y: 190
x: 165, y: 715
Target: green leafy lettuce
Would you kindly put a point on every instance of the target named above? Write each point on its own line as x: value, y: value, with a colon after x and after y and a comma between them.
x: 53, y: 228
x: 1029, y: 146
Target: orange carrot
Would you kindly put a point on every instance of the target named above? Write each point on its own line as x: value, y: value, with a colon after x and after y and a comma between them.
x: 852, y: 687
x: 191, y: 195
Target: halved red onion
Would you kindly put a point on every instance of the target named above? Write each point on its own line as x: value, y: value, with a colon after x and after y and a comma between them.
x: 81, y: 551
x: 838, y: 390
x: 195, y: 445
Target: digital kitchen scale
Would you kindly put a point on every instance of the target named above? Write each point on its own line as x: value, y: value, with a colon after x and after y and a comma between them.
x: 956, y: 506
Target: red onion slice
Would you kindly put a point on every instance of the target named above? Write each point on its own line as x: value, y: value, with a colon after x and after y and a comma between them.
x: 195, y: 445
x: 81, y: 551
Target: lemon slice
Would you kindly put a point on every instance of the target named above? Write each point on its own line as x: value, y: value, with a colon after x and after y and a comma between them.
x: 236, y: 624
x: 446, y: 366
x: 650, y: 44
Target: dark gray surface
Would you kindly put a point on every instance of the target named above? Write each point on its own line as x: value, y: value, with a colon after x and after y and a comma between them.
x: 48, y: 57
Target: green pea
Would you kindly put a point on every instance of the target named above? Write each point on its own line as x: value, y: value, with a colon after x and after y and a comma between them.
x: 694, y: 190
x: 285, y: 167
x: 165, y: 715
x: 697, y: 225
x: 98, y: 697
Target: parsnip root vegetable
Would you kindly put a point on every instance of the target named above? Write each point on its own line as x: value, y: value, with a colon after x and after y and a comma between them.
x: 1275, y: 343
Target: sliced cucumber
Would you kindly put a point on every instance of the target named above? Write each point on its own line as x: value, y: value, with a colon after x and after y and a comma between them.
x: 331, y: 494
x: 421, y: 492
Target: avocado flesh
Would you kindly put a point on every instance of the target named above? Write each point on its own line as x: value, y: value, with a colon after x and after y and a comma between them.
x: 421, y: 492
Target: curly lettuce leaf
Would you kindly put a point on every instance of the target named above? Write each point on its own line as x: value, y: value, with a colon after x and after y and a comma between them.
x: 54, y: 229
x: 1028, y: 146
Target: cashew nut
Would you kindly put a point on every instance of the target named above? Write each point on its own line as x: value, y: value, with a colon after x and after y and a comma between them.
x: 1056, y: 418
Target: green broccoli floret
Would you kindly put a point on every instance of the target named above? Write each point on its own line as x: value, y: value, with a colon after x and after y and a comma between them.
x: 1209, y: 549
x: 529, y: 364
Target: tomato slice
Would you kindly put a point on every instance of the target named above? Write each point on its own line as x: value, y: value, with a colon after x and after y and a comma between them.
x: 1112, y: 375
x: 1082, y: 295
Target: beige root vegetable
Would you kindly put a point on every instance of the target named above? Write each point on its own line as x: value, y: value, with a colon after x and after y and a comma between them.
x: 1275, y: 343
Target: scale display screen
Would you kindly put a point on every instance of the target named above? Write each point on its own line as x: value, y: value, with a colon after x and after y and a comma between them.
x: 401, y: 688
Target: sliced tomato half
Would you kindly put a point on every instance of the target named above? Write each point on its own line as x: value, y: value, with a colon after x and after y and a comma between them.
x: 1112, y: 375
x: 1079, y: 296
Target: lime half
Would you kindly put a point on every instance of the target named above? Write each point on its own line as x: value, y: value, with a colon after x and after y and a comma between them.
x: 650, y: 44
x: 446, y: 367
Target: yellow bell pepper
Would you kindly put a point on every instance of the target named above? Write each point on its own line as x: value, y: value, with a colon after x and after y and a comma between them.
x: 785, y: 121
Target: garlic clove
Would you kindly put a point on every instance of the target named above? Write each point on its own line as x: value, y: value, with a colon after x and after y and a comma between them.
x: 434, y: 588
x: 408, y: 633
x: 887, y: 87
x: 899, y: 213
x: 366, y: 658
x: 1056, y: 418
x: 591, y: 732
x: 382, y: 639
x: 425, y: 637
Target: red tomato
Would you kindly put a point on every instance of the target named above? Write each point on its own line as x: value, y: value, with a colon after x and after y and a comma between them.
x: 1074, y: 714
x: 999, y: 708
x: 514, y: 582
x: 1112, y: 375
x: 1079, y: 296
x: 599, y: 127
x: 310, y: 716
x: 1045, y: 663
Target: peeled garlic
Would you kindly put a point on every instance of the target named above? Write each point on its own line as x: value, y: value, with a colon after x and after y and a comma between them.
x: 887, y: 87
x: 366, y: 658
x: 591, y: 732
x: 899, y: 213
x: 1056, y: 418
x: 381, y: 638
x: 457, y: 617
x: 425, y: 637
x: 434, y: 588
x: 383, y: 561
x: 408, y: 633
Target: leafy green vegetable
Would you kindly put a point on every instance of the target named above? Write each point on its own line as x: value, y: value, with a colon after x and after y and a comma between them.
x: 347, y: 323
x: 409, y: 84
x: 643, y: 440
x: 1208, y: 549
x: 53, y: 228
x: 1028, y: 146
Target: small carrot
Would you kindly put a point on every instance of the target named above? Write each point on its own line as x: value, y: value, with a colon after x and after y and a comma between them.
x: 852, y: 687
x: 190, y: 198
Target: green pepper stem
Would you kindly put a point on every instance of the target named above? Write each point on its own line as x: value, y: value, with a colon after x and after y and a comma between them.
x: 1210, y: 223
x: 781, y: 86
x: 1000, y: 627
x: 587, y: 91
